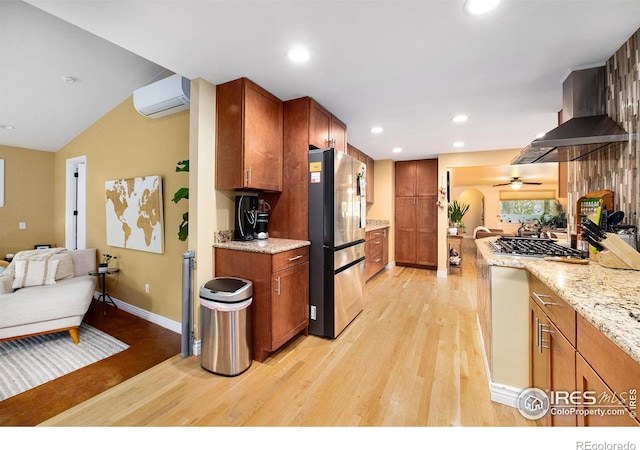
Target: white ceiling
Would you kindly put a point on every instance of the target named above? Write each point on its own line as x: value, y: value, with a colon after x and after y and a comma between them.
x: 408, y: 66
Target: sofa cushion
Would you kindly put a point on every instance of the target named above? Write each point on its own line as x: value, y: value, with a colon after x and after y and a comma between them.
x: 65, y: 265
x: 34, y: 273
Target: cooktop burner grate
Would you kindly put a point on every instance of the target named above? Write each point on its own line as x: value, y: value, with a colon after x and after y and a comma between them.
x: 535, y: 247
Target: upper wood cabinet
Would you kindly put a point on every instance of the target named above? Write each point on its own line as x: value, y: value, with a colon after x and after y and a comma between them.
x: 306, y: 123
x: 326, y: 130
x: 249, y: 147
x: 417, y: 178
x: 369, y: 175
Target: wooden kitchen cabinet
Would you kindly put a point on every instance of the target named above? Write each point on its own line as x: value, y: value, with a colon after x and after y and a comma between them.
x: 326, y: 130
x: 369, y: 174
x: 589, y: 381
x: 416, y: 213
x: 280, y: 307
x: 552, y: 362
x: 376, y: 242
x: 249, y: 137
x: 306, y: 123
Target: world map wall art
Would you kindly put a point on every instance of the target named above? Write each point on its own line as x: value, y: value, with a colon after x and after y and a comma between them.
x: 134, y: 213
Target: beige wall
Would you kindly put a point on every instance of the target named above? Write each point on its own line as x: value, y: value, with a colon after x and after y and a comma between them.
x: 28, y: 177
x: 384, y: 196
x: 125, y: 144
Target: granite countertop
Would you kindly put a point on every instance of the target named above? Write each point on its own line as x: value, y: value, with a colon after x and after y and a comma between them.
x: 271, y: 245
x: 375, y: 224
x: 604, y: 297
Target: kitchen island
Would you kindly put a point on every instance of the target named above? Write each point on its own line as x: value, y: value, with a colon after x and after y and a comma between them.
x: 590, y: 314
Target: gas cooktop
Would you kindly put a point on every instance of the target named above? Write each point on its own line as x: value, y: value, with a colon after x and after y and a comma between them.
x: 534, y: 247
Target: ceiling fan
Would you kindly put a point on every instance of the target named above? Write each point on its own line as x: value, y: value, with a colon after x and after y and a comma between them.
x: 516, y: 183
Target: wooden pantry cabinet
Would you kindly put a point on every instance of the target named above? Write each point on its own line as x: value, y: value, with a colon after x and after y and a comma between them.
x: 280, y: 307
x: 306, y: 123
x: 249, y: 146
x: 416, y: 213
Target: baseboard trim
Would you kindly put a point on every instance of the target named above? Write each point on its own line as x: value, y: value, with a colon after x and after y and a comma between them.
x: 441, y: 274
x: 391, y: 265
x: 505, y: 395
x: 149, y: 316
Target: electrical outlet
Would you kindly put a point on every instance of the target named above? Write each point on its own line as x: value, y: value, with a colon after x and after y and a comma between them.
x: 146, y: 288
x: 22, y: 225
x: 313, y: 312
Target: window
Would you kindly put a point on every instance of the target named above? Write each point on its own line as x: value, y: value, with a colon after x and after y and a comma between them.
x: 527, y: 206
x: 526, y: 210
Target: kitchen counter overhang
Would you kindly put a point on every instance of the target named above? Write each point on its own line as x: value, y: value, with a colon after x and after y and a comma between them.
x: 607, y: 298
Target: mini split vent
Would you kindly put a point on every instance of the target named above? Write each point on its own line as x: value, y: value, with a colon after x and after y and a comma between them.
x: 164, y: 97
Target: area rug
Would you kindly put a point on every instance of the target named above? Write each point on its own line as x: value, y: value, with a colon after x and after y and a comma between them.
x: 30, y: 362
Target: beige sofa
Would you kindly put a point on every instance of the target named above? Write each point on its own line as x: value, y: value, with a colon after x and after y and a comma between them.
x: 482, y: 232
x: 48, y: 308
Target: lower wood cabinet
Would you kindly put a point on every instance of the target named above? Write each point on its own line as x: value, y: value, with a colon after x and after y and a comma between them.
x: 553, y: 361
x: 376, y: 252
x: 280, y: 308
x: 569, y: 354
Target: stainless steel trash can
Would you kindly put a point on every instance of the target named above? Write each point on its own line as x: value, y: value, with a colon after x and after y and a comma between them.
x: 225, y: 319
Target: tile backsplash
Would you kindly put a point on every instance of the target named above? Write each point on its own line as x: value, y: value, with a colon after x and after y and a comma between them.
x: 616, y: 167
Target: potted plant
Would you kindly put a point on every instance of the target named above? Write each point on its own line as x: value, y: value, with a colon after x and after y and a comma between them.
x: 457, y: 211
x: 104, y: 265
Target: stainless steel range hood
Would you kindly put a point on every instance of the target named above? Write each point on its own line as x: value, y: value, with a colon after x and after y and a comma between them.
x: 588, y: 129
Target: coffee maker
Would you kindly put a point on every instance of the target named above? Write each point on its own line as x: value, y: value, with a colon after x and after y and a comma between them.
x: 262, y: 220
x: 245, y: 217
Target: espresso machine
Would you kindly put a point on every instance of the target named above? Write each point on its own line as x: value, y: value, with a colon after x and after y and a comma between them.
x: 245, y: 217
x: 251, y: 218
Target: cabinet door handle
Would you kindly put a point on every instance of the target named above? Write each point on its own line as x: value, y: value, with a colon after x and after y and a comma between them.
x: 541, y: 296
x: 377, y: 260
x: 278, y: 285
x: 295, y: 257
x: 249, y: 175
x: 538, y: 335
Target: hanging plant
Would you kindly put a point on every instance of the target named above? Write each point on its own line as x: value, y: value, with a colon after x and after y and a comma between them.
x: 183, y: 192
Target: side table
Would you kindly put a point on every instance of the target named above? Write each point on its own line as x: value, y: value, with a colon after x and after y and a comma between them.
x: 104, y: 296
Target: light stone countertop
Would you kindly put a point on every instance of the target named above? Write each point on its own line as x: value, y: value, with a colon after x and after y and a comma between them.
x: 270, y: 246
x: 375, y: 224
x: 604, y: 297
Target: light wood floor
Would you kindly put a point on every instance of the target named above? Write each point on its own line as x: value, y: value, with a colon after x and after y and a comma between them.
x: 411, y: 358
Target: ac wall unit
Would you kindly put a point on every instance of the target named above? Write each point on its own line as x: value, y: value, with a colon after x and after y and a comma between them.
x: 167, y: 96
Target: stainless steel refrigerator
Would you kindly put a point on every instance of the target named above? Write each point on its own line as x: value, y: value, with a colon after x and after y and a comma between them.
x: 337, y: 216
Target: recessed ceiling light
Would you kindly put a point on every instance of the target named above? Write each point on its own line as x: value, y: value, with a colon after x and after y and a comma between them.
x: 376, y: 130
x: 479, y: 7
x: 458, y: 144
x: 67, y: 79
x: 460, y: 118
x: 298, y: 54
x: 7, y: 127
x: 396, y: 150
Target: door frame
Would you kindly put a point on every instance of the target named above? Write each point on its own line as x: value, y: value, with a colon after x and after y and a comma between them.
x: 76, y: 200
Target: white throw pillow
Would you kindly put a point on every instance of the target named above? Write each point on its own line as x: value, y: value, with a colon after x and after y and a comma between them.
x: 34, y: 273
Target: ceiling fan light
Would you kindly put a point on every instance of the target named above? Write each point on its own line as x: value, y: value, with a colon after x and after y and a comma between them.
x: 516, y: 184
